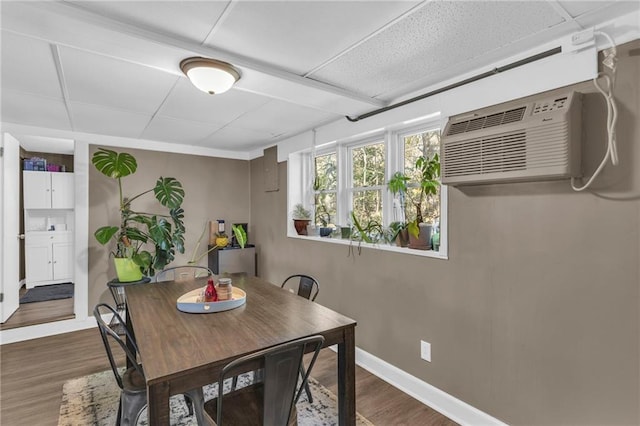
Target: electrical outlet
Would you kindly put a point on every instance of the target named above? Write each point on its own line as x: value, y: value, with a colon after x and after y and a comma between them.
x: 425, y: 350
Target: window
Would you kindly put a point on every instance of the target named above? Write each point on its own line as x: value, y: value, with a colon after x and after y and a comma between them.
x: 352, y: 177
x: 325, y: 189
x: 423, y: 144
x: 367, y: 166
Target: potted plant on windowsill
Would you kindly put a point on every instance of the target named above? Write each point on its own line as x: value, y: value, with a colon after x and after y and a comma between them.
x: 144, y: 242
x: 400, y: 227
x: 301, y: 218
x: 421, y: 198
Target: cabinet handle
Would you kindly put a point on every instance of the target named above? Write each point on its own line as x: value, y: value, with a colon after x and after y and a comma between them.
x: 47, y: 190
x: 49, y: 262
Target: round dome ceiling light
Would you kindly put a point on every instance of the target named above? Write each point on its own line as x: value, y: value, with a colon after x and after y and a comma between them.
x: 209, y: 75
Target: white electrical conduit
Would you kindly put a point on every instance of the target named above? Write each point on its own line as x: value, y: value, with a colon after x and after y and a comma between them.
x: 612, y: 111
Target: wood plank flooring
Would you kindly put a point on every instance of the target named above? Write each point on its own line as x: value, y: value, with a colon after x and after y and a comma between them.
x: 39, y: 312
x: 32, y: 374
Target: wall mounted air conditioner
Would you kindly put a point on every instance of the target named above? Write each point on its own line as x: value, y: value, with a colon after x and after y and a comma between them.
x: 522, y: 140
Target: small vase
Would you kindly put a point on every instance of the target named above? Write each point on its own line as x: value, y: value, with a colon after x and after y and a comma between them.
x: 127, y: 270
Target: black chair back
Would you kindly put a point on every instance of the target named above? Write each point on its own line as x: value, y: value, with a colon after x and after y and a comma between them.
x: 107, y: 332
x: 307, y: 286
x: 182, y: 273
x: 281, y: 366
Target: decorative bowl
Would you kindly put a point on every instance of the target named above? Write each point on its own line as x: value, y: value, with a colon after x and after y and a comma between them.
x: 191, y: 302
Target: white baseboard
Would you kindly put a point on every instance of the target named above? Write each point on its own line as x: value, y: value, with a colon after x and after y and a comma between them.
x: 43, y: 330
x: 448, y: 405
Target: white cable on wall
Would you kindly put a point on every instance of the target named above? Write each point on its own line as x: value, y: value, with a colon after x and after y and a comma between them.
x: 610, y: 61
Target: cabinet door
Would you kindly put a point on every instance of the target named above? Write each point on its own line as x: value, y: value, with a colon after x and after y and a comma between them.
x: 38, y: 262
x: 62, y: 191
x: 36, y: 190
x: 63, y: 261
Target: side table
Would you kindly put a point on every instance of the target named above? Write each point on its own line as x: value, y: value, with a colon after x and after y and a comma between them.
x: 117, y: 291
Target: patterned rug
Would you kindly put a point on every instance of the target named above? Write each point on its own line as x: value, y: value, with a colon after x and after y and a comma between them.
x: 93, y: 400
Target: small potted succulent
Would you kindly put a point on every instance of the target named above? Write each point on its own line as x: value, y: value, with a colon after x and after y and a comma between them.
x: 301, y: 218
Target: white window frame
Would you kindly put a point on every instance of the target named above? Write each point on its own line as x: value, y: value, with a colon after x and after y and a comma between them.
x: 348, y: 168
x: 301, y: 166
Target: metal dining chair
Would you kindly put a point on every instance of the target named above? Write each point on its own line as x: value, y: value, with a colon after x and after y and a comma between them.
x: 307, y: 287
x: 182, y: 273
x: 132, y: 382
x: 272, y: 400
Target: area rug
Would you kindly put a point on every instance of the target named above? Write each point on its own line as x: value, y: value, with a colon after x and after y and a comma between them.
x: 48, y: 292
x: 93, y: 400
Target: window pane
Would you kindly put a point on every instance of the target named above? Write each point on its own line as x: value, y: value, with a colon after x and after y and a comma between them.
x: 368, y: 165
x: 424, y: 144
x: 325, y: 208
x: 326, y: 172
x: 367, y: 205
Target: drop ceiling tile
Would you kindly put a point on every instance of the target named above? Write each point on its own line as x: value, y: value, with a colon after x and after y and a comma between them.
x: 25, y: 108
x: 577, y: 8
x: 279, y: 118
x: 300, y: 35
x: 191, y: 20
x: 108, y: 121
x: 440, y: 35
x: 28, y: 65
x: 235, y: 138
x: 178, y: 131
x: 188, y: 103
x: 109, y: 82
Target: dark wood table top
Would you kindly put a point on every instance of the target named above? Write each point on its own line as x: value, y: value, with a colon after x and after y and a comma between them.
x: 173, y: 344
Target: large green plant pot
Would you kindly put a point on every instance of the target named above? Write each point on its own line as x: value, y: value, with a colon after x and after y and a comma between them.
x: 127, y: 270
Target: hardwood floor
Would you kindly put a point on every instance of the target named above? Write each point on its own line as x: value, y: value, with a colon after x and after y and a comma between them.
x: 32, y: 374
x: 39, y: 313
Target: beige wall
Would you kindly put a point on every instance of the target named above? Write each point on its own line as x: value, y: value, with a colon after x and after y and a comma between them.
x: 534, y: 318
x: 214, y: 189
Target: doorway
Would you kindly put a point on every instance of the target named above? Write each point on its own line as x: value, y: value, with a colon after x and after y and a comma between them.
x: 40, y: 227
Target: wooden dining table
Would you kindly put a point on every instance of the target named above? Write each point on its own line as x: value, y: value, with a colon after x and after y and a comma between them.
x: 182, y: 351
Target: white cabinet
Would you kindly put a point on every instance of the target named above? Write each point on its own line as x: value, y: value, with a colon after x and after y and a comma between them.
x: 49, y: 258
x: 48, y: 190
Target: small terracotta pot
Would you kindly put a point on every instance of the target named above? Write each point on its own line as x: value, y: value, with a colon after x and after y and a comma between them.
x: 402, y: 240
x: 301, y: 225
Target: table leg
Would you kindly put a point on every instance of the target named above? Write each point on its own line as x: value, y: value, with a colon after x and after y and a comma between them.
x: 347, y: 379
x: 129, y: 342
x: 158, y: 404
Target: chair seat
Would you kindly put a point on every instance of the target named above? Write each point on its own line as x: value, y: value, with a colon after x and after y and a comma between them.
x: 244, y: 407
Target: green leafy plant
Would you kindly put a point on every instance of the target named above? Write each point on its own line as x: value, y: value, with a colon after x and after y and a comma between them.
x: 300, y: 213
x: 422, y: 199
x: 240, y: 234
x: 162, y: 233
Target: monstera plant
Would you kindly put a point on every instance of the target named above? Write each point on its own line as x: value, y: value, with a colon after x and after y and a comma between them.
x: 144, y: 242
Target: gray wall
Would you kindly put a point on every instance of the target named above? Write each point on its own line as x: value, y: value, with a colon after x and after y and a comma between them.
x: 214, y: 189
x: 534, y: 318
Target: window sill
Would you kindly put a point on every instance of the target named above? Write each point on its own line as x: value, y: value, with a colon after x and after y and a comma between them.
x: 383, y: 247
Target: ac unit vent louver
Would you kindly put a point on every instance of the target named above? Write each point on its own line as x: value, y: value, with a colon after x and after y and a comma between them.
x: 517, y: 141
x: 486, y: 121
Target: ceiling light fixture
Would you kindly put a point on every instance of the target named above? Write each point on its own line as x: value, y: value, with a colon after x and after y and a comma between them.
x: 210, y: 75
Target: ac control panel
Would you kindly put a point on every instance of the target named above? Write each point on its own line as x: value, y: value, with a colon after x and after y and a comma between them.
x: 549, y: 105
